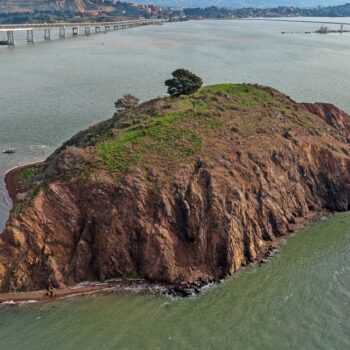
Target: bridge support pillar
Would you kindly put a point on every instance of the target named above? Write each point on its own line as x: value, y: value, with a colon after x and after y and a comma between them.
x: 341, y: 28
x: 62, y: 32
x: 30, y: 36
x: 116, y: 27
x: 87, y: 31
x: 10, y: 38
x: 47, y: 33
x: 107, y: 29
x: 97, y: 29
x: 75, y: 31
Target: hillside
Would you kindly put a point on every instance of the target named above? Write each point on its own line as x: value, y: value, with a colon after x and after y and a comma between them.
x: 177, y: 189
x: 243, y: 3
x: 80, y: 6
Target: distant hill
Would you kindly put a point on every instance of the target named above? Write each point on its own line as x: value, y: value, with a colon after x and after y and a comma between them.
x: 45, y: 5
x: 243, y: 3
x: 80, y: 5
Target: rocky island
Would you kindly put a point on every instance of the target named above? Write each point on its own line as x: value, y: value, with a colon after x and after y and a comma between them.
x: 177, y: 189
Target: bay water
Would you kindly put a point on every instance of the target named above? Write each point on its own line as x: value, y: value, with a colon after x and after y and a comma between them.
x: 51, y: 90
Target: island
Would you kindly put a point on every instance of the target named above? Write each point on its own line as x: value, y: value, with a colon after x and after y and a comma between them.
x: 184, y: 189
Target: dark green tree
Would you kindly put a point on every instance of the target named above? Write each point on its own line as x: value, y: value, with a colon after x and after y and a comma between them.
x: 183, y: 82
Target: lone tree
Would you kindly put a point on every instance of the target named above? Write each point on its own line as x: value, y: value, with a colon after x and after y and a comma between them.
x: 183, y: 83
x: 126, y: 102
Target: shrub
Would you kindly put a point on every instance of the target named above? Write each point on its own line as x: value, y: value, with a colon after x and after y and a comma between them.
x: 126, y: 102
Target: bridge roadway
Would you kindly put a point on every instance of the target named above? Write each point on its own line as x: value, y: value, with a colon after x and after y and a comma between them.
x: 98, y: 27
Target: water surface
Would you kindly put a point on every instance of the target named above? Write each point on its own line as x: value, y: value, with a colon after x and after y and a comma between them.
x: 300, y: 300
x: 49, y: 91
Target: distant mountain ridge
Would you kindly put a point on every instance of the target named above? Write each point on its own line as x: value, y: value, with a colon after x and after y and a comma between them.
x: 242, y: 3
x: 76, y: 5
x: 49, y: 5
x: 193, y: 8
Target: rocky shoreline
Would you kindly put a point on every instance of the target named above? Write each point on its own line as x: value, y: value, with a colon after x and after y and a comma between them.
x: 14, y: 187
x: 182, y: 289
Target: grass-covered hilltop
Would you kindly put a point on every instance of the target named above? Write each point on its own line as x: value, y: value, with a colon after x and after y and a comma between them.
x: 179, y: 188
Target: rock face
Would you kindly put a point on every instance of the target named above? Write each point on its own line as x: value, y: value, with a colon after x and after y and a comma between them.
x: 178, y: 189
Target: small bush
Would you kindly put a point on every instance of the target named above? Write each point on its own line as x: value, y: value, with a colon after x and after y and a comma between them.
x: 126, y: 102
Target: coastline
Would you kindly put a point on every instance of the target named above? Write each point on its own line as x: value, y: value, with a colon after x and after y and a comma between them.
x: 85, y: 288
x: 141, y: 286
x: 13, y: 184
x: 182, y: 289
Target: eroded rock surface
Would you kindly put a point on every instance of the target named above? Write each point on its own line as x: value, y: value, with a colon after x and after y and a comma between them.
x: 178, y: 189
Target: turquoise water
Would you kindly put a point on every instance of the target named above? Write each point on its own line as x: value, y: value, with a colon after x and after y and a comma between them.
x: 300, y: 300
x: 48, y: 91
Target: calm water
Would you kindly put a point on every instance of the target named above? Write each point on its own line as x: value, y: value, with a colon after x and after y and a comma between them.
x: 300, y: 300
x: 48, y: 91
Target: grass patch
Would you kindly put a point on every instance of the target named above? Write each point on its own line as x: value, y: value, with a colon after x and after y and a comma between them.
x: 172, y: 138
x: 242, y: 95
x: 26, y: 175
x: 167, y: 136
x: 17, y: 208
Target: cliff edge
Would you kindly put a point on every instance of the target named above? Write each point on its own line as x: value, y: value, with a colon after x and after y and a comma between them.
x: 177, y: 188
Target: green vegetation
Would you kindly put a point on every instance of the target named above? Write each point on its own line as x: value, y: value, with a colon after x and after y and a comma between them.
x: 168, y: 132
x: 173, y: 137
x: 17, y: 208
x: 166, y: 136
x: 183, y: 83
x: 27, y: 177
x: 242, y: 95
x: 27, y: 174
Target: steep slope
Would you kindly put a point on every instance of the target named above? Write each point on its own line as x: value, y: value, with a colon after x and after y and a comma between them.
x: 79, y: 6
x: 177, y: 189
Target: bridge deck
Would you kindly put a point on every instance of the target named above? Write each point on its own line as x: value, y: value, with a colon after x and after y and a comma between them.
x: 15, y: 30
x: 30, y: 26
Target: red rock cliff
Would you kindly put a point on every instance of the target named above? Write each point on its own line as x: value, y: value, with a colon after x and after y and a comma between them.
x: 178, y: 188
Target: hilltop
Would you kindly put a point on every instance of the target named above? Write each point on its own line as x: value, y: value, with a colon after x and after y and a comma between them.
x: 177, y: 189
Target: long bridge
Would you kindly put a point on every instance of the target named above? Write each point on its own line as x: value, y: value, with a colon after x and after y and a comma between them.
x: 89, y: 28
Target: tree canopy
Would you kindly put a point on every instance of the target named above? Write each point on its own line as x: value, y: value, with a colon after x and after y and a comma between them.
x: 183, y: 82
